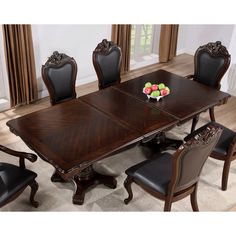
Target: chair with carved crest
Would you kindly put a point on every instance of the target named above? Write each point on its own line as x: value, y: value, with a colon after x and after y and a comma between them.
x: 211, y: 62
x: 59, y: 75
x: 172, y: 177
x: 225, y: 150
x: 14, y: 179
x: 107, y: 63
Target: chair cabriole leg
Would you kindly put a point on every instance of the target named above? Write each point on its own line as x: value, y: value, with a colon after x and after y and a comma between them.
x: 225, y: 175
x: 193, y: 198
x: 127, y: 185
x: 34, y: 188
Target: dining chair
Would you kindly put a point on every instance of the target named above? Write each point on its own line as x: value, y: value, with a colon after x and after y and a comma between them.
x: 172, y: 177
x: 59, y: 75
x: 107, y: 63
x: 225, y: 150
x: 14, y: 179
x: 211, y: 61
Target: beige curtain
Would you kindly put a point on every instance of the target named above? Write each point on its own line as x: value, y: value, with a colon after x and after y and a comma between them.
x: 121, y: 35
x: 168, y: 42
x: 20, y: 62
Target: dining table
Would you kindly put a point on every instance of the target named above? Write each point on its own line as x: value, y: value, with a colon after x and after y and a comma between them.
x: 73, y: 135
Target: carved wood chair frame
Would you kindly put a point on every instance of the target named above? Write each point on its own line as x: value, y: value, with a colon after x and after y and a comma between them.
x: 105, y: 48
x: 174, y: 194
x: 58, y: 60
x: 231, y: 155
x: 215, y: 50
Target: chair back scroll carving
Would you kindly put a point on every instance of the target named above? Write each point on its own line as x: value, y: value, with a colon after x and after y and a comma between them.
x: 107, y: 63
x: 59, y: 75
x: 211, y: 61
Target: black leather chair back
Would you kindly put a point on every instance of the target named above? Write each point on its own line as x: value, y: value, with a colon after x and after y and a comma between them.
x: 211, y: 61
x: 59, y: 75
x: 107, y: 63
x: 192, y: 157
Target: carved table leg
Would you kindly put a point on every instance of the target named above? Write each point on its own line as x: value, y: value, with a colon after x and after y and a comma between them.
x: 56, y: 177
x: 194, y: 123
x: 88, y: 178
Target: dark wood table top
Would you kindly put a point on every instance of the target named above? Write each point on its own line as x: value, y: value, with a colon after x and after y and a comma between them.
x: 129, y: 111
x: 187, y: 97
x: 72, y: 135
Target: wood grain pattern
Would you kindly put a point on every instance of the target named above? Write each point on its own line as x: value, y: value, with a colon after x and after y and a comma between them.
x: 72, y: 135
x: 130, y: 111
x: 186, y: 99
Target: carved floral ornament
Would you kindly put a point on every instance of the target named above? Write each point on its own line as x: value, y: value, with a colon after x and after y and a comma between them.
x: 215, y: 49
x: 56, y: 58
x: 104, y: 46
x: 205, y: 136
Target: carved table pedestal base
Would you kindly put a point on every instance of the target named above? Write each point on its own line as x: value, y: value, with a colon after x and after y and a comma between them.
x: 86, y: 179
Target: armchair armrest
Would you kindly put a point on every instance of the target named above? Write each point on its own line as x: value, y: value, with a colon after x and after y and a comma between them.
x: 29, y: 156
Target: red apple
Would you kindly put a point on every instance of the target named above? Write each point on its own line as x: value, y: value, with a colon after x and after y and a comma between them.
x: 154, y: 87
x: 147, y: 90
x: 164, y: 92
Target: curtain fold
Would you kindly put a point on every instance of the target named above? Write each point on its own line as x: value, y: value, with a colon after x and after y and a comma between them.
x: 121, y: 35
x: 18, y: 45
x: 168, y: 42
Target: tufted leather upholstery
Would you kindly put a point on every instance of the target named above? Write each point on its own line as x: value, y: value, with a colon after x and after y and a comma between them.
x: 171, y: 177
x: 59, y: 75
x: 107, y: 63
x: 14, y: 179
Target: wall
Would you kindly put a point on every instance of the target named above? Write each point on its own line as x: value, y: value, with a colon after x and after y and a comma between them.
x: 196, y: 35
x: 192, y: 36
x: 231, y: 73
x: 77, y: 41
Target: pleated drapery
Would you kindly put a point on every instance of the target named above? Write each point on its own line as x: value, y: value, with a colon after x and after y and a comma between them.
x: 20, y: 62
x: 168, y: 42
x: 121, y: 35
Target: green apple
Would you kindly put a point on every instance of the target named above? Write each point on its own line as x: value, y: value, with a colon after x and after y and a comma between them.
x: 168, y: 90
x: 148, y: 85
x: 161, y: 86
x: 155, y: 93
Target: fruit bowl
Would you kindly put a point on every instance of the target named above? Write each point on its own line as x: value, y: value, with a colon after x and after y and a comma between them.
x: 156, y: 91
x: 150, y: 96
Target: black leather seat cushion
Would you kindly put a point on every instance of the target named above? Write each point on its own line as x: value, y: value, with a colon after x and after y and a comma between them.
x: 12, y: 179
x: 154, y: 173
x: 226, y: 138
